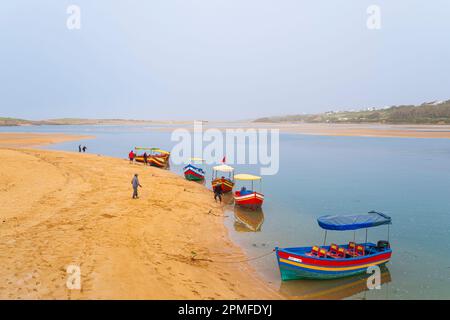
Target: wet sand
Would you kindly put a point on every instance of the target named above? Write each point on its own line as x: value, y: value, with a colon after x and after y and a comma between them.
x: 62, y: 208
x: 324, y: 129
x: 368, y: 130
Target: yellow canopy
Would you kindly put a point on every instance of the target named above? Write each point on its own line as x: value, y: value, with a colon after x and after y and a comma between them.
x: 143, y: 148
x: 223, y: 168
x: 246, y: 177
x: 197, y: 159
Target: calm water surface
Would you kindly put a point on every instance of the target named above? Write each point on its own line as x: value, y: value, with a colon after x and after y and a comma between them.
x: 408, y: 179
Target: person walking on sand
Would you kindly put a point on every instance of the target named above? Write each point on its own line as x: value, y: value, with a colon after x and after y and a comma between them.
x: 79, y: 148
x: 84, y: 148
x: 218, y: 192
x: 135, y: 183
x: 131, y: 156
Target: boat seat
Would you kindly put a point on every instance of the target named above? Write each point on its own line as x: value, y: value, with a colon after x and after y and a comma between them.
x: 351, y: 251
x: 322, y: 253
x: 340, y: 253
x: 360, y: 250
x: 333, y: 250
x: 314, y: 251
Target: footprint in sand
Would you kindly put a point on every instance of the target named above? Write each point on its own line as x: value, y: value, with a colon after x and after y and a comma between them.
x: 196, y: 293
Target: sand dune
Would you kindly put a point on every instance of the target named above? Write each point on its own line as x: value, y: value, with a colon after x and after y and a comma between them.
x: 61, y: 208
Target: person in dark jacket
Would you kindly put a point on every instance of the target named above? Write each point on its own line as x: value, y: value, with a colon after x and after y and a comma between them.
x: 218, y: 192
x: 84, y: 148
x: 145, y: 157
x: 135, y: 183
x: 79, y: 148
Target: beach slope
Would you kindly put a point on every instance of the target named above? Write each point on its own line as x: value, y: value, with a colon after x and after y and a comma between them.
x: 61, y: 209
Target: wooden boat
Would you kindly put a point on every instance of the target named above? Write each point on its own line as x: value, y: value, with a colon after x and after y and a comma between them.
x: 156, y: 157
x: 333, y: 261
x: 227, y: 183
x: 249, y: 199
x: 157, y: 161
x: 140, y: 157
x: 193, y: 173
x: 161, y: 153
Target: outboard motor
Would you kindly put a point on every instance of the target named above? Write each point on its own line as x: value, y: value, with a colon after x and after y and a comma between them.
x: 383, y: 245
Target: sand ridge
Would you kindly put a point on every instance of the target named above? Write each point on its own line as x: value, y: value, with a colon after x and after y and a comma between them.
x: 21, y: 139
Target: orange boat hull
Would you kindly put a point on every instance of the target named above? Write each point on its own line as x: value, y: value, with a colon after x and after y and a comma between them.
x: 227, y: 185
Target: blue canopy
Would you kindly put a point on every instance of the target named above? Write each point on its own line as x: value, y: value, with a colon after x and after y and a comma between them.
x: 353, y: 222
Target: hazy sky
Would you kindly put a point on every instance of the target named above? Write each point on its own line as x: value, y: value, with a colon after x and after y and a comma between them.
x: 219, y: 59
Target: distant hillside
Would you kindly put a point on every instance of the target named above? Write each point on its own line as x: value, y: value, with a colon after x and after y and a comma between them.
x: 427, y: 113
x: 14, y: 122
x: 70, y: 121
x: 80, y: 121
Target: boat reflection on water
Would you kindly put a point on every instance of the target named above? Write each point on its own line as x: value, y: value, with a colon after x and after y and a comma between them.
x: 248, y: 221
x: 331, y: 289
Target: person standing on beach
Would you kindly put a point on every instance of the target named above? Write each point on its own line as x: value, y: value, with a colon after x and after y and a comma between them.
x: 84, y: 148
x: 79, y: 148
x: 135, y: 183
x: 131, y: 156
x: 145, y: 157
x: 218, y: 192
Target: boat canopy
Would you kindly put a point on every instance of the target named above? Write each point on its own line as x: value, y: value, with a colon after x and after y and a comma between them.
x: 223, y: 168
x: 246, y: 177
x: 353, y: 222
x: 145, y: 148
x: 161, y: 151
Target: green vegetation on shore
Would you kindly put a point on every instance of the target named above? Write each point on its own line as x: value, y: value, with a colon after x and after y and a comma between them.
x: 69, y: 121
x: 14, y: 122
x: 427, y: 113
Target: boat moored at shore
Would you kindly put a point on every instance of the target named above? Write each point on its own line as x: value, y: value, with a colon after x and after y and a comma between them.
x: 194, y: 173
x: 249, y: 199
x: 227, y: 183
x: 156, y: 157
x: 336, y: 261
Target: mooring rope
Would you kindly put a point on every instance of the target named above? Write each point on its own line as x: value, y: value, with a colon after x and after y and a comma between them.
x: 238, y: 261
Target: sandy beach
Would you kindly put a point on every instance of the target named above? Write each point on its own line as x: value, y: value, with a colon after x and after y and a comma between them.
x: 62, y: 208
x: 14, y: 140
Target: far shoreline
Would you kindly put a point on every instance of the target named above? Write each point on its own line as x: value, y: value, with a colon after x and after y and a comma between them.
x: 335, y: 130
x: 422, y: 131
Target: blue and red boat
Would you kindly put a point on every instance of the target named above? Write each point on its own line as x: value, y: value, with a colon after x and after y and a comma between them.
x: 336, y: 261
x: 193, y: 173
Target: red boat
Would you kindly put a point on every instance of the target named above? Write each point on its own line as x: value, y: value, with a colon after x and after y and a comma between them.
x: 248, y: 198
x: 227, y: 183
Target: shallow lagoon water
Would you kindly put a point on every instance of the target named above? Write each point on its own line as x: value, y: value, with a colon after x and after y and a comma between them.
x: 408, y: 179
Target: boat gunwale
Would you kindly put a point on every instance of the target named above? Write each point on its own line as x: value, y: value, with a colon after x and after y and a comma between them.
x: 329, y: 259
